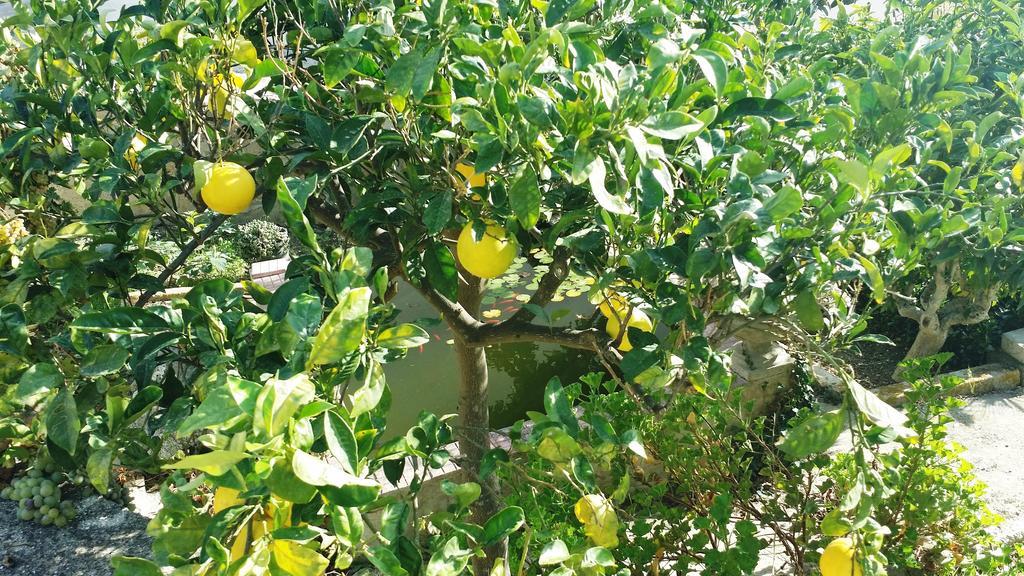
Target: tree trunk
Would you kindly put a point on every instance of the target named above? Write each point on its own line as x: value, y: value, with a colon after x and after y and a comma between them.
x: 931, y: 336
x: 474, y: 428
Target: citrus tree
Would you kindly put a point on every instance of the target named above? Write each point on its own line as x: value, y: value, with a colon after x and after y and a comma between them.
x: 708, y: 180
x: 936, y: 114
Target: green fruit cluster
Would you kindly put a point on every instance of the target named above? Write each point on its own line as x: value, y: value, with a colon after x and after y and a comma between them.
x: 38, y: 494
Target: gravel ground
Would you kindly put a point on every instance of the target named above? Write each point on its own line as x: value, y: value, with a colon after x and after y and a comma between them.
x: 991, y: 428
x: 102, y: 530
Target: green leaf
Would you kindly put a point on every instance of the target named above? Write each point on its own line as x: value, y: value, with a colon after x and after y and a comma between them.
x: 554, y: 552
x: 36, y: 382
x: 127, y: 566
x: 438, y: 212
x: 283, y: 482
x: 216, y: 463
x: 385, y: 561
x: 557, y: 9
x: 813, y: 436
x: 279, y: 401
x: 368, y: 397
x: 785, y: 202
x: 808, y: 311
x: 450, y: 560
x: 341, y: 441
x: 877, y: 410
x: 754, y: 106
x: 400, y: 75
x: 672, y: 125
x: 98, y: 468
x: 557, y: 406
x: 343, y: 330
x: 524, y: 196
x: 557, y: 446
x: 62, y: 423
x: 103, y: 360
x: 403, y: 336
x: 289, y: 193
x: 502, y: 524
x: 201, y: 171
x: 836, y: 524
x: 464, y: 494
x: 597, y: 556
x: 338, y: 486
x: 714, y: 69
x: 611, y: 202
x: 874, y: 279
x: 247, y: 7
x: 855, y: 174
x: 232, y: 399
x: 442, y: 273
x: 141, y: 402
x: 296, y: 559
x: 424, y: 73
x: 338, y: 64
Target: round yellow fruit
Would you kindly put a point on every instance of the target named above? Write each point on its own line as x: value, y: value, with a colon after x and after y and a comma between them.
x: 473, y: 180
x: 222, y: 95
x: 637, y: 319
x: 230, y: 188
x: 839, y: 559
x: 490, y: 256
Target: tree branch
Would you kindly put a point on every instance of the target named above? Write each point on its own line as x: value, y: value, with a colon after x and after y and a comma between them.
x: 969, y: 309
x: 940, y: 287
x: 177, y: 263
x: 504, y: 333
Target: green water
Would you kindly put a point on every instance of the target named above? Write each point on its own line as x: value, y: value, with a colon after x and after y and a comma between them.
x: 428, y: 378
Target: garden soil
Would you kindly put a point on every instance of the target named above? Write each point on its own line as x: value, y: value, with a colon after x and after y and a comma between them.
x: 989, y: 427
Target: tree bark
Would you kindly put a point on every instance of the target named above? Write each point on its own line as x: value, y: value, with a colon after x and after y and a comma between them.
x: 474, y: 428
x: 931, y: 336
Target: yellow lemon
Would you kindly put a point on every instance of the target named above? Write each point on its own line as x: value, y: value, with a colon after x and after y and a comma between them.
x: 839, y: 559
x: 230, y: 188
x: 637, y: 319
x: 613, y: 305
x: 222, y: 95
x: 490, y: 256
x: 473, y: 180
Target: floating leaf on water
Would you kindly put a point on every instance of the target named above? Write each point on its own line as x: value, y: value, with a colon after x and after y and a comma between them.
x: 589, y: 281
x: 523, y: 297
x: 557, y: 298
x: 449, y: 341
x: 532, y: 286
x: 492, y: 313
x: 573, y: 293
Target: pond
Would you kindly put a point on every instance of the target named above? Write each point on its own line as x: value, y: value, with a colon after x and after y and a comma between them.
x: 428, y: 378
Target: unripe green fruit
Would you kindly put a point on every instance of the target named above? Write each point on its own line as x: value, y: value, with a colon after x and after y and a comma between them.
x: 24, y: 515
x: 60, y: 522
x: 37, y: 501
x: 45, y: 509
x: 46, y: 520
x: 51, y: 501
x: 53, y: 513
x: 46, y: 488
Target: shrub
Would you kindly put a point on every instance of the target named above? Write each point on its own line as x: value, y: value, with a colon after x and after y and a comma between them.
x: 259, y: 240
x: 210, y: 261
